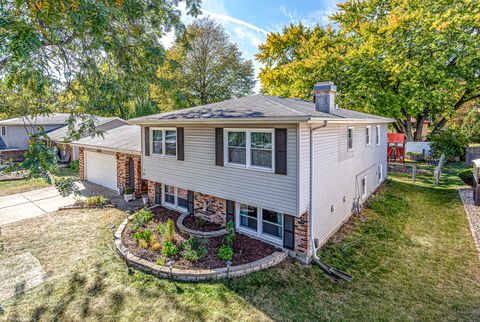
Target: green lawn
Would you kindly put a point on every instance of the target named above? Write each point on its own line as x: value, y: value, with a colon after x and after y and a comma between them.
x: 17, y: 186
x: 412, y: 259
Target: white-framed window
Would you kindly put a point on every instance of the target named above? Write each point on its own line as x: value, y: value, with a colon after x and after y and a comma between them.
x: 260, y: 222
x: 350, y: 138
x: 174, y: 197
x: 368, y: 132
x: 363, y: 187
x: 163, y: 141
x: 377, y: 136
x: 380, y: 172
x: 3, y: 131
x: 249, y: 148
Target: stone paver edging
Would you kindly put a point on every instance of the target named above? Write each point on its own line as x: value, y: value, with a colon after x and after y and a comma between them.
x: 473, y: 214
x: 198, y: 233
x: 188, y: 274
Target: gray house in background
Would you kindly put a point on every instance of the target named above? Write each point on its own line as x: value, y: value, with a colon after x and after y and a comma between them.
x: 14, y: 132
x: 58, y: 137
x: 286, y: 171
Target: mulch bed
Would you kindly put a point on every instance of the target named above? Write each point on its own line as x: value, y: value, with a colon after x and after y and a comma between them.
x: 198, y: 224
x: 246, y: 249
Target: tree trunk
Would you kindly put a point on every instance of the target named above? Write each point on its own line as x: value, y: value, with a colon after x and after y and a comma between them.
x: 419, y: 128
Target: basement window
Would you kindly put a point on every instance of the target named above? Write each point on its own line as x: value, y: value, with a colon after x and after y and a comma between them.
x: 350, y: 138
x: 364, y: 187
x: 4, y: 131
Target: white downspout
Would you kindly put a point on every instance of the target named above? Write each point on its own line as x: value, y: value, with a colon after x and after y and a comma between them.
x: 310, y: 212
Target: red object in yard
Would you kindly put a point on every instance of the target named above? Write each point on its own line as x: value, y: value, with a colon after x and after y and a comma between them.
x: 396, y: 147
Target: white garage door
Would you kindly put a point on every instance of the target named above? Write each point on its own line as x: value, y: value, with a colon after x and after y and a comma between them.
x: 101, y: 169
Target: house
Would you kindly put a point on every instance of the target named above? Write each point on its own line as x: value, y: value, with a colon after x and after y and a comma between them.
x: 286, y: 171
x: 14, y: 132
x: 59, y: 137
x: 114, y: 160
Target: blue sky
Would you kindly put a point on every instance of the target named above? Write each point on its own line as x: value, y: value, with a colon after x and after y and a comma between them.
x: 247, y: 22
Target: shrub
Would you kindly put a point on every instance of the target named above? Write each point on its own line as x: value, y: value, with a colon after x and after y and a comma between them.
x: 225, y: 253
x: 127, y: 191
x: 452, y: 142
x: 467, y: 177
x: 160, y: 261
x: 155, y: 246
x: 143, y: 234
x: 97, y: 201
x: 169, y: 249
x: 194, y: 249
x: 167, y: 230
x: 142, y: 243
x: 74, y: 165
x: 141, y: 218
x: 229, y: 238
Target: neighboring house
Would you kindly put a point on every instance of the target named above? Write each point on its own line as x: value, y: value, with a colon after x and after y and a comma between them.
x: 59, y: 136
x: 286, y: 171
x: 14, y: 132
x: 113, y: 160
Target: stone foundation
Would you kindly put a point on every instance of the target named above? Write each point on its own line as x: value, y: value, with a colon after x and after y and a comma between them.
x: 210, y: 208
x: 123, y: 172
x: 302, y: 241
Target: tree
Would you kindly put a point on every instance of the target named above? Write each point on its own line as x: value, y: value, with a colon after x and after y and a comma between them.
x: 79, y: 55
x: 203, y: 67
x: 409, y: 60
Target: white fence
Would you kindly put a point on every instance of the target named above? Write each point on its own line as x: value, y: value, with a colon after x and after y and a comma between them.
x: 418, y: 147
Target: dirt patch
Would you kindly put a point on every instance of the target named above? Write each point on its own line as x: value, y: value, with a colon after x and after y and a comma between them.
x: 246, y: 249
x: 199, y: 224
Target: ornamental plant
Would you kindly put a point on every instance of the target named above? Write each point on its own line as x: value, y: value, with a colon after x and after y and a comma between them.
x: 169, y: 249
x: 230, y: 237
x: 167, y: 230
x: 225, y: 252
x: 194, y: 249
x: 141, y: 218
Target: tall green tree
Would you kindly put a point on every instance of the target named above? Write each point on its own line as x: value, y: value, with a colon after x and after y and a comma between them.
x: 203, y: 67
x: 410, y: 60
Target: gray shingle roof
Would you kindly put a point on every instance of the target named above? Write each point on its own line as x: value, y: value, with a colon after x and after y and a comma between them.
x: 61, y: 133
x: 256, y: 107
x: 122, y: 138
x: 51, y: 119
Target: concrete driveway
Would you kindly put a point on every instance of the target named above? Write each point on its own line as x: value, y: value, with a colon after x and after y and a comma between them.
x: 31, y: 204
x: 41, y: 201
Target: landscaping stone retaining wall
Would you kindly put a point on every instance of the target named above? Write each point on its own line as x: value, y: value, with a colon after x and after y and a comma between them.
x: 198, y: 233
x: 210, y: 208
x: 192, y: 275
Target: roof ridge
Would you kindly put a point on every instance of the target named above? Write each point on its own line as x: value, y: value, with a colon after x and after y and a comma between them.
x: 283, y: 105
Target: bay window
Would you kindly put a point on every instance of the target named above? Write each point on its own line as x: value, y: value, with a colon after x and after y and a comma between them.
x: 250, y: 148
x: 164, y: 142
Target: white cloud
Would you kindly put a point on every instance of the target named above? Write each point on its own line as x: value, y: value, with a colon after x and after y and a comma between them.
x: 234, y: 20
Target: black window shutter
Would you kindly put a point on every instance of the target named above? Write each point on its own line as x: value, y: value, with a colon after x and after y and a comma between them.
x: 288, y: 232
x: 219, y: 146
x: 158, y: 193
x: 190, y: 202
x: 180, y: 144
x: 230, y: 210
x: 147, y: 141
x: 281, y: 151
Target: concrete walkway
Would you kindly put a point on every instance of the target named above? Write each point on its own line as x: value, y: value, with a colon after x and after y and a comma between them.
x: 38, y: 202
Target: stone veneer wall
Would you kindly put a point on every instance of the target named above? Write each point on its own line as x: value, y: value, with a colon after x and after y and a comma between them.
x: 302, y: 240
x: 210, y: 208
x: 81, y: 163
x: 123, y: 173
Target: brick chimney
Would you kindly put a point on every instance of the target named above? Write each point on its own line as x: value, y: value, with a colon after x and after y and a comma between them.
x: 324, y: 97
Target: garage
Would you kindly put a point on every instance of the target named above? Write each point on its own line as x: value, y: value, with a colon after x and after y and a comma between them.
x: 101, y: 168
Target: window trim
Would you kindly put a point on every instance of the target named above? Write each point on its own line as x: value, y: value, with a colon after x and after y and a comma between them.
x: 363, y: 191
x: 348, y: 139
x: 174, y: 206
x: 163, y: 154
x: 259, y: 232
x: 378, y: 135
x: 248, y: 148
x: 2, y: 130
x: 368, y: 129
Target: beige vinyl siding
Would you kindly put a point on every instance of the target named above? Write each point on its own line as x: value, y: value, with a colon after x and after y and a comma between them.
x: 304, y: 168
x: 199, y: 173
x: 338, y: 173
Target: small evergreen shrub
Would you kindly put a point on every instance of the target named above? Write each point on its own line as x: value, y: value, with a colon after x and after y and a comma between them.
x: 97, y: 201
x: 230, y: 237
x: 74, y: 165
x: 127, y: 191
x: 141, y: 218
x: 225, y: 253
x: 467, y: 177
x: 169, y: 249
x: 143, y: 234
